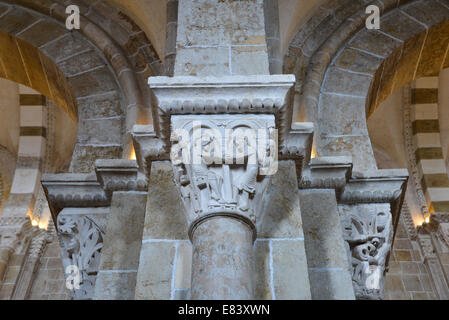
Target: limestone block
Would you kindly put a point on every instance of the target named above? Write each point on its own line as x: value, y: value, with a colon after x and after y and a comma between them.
x: 155, y: 270
x: 100, y: 106
x: 203, y: 62
x: 165, y: 218
x: 290, y: 272
x: 98, y: 81
x: 100, y: 131
x: 80, y: 63
x: 262, y: 272
x: 325, y: 247
x: 115, y: 285
x: 249, y: 60
x: 282, y: 217
x: 123, y: 237
x: 215, y: 22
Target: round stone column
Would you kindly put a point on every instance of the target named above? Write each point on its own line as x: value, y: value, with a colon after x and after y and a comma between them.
x: 222, y: 262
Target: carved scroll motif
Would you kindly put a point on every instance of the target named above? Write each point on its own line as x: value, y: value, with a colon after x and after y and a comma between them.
x: 81, y: 243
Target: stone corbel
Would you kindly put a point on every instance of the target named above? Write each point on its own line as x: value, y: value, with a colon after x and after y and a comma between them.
x: 327, y: 173
x: 369, y: 209
x: 79, y: 204
x: 119, y: 175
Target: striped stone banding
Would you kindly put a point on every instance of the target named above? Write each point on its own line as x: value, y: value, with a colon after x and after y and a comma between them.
x: 429, y: 153
x: 32, y: 144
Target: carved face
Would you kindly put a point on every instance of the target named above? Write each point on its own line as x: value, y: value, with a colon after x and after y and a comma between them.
x: 68, y: 232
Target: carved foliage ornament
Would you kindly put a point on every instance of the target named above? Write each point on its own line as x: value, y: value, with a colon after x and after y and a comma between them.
x: 81, y: 241
x: 368, y: 235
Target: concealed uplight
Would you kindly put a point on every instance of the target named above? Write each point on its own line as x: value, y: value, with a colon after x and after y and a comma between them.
x: 132, y: 156
x: 34, y: 223
x: 427, y: 219
x: 43, y: 225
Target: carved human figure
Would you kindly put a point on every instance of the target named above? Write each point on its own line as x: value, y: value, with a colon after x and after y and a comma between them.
x: 245, y: 186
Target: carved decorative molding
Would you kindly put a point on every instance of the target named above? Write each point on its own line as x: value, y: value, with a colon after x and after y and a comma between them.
x: 81, y: 237
x: 89, y: 190
x: 327, y: 173
x: 120, y: 175
x: 70, y: 190
x: 266, y: 94
x: 256, y: 95
x: 368, y: 232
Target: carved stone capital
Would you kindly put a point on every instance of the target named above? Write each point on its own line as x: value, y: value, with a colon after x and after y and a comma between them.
x: 368, y: 234
x: 81, y: 234
x: 221, y: 181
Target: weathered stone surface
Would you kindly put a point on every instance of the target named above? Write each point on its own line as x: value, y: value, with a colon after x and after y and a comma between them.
x: 95, y: 82
x: 123, y: 240
x: 155, y: 271
x: 100, y: 106
x: 282, y: 217
x: 80, y: 63
x: 42, y: 32
x: 100, y: 131
x: 165, y: 218
x: 290, y: 274
x: 115, y: 286
x: 374, y: 42
x: 326, y: 254
x: 16, y: 20
x: 84, y: 156
x: 262, y: 274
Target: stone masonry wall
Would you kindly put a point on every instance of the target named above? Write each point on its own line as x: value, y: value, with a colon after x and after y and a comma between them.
x: 49, y: 281
x: 408, y: 278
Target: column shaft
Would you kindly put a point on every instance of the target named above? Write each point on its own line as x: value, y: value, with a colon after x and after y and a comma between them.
x: 222, y: 260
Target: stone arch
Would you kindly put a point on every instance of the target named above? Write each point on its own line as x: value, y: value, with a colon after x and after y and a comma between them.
x: 97, y: 74
x: 356, y: 69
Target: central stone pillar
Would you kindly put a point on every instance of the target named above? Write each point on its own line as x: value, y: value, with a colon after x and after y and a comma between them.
x: 222, y: 165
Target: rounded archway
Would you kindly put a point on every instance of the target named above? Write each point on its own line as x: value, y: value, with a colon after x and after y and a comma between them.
x: 356, y: 69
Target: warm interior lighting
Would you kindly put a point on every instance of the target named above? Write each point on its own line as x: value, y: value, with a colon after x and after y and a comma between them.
x: 34, y: 223
x: 313, y: 154
x: 132, y: 156
x: 43, y: 225
x: 427, y: 220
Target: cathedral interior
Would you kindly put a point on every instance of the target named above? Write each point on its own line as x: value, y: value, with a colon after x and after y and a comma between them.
x: 104, y: 103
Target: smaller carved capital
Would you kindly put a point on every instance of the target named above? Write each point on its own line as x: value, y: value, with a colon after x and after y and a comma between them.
x: 81, y: 234
x: 368, y: 233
